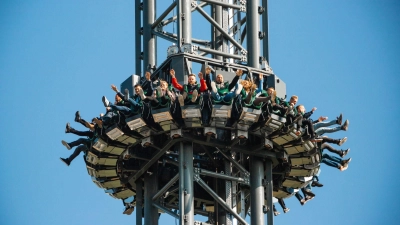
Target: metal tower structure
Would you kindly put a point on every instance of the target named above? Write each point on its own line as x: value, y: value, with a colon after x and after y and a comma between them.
x: 235, y: 42
x: 215, y: 164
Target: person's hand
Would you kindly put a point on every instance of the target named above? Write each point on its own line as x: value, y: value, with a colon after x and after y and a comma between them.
x: 261, y: 76
x: 172, y: 73
x: 322, y: 118
x: 239, y: 72
x: 148, y: 75
x: 313, y: 109
x: 200, y: 75
x: 208, y: 71
x: 114, y: 88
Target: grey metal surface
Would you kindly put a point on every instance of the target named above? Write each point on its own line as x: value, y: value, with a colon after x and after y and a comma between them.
x: 138, y: 38
x: 139, y: 201
x: 166, y: 187
x: 268, y: 191
x: 256, y: 190
x: 151, y: 187
x: 265, y: 29
x: 253, y: 42
x: 149, y: 40
x: 186, y: 193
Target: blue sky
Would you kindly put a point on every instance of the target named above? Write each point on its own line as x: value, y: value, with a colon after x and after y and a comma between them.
x: 57, y: 57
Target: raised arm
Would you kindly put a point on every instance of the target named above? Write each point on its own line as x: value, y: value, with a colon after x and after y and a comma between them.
x: 174, y: 82
x: 203, y: 85
x: 239, y: 73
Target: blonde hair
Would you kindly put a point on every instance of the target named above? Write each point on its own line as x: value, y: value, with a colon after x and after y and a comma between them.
x: 294, y: 97
x: 247, y: 85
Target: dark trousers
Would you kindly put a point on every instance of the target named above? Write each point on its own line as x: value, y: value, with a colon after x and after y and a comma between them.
x: 330, y: 148
x: 78, y: 142
x: 78, y: 150
x: 88, y: 134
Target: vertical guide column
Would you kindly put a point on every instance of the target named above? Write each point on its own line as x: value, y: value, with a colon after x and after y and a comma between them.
x: 139, y: 201
x: 138, y: 38
x: 268, y: 191
x: 256, y: 190
x: 149, y: 40
x: 186, y: 195
x: 265, y: 29
x: 150, y: 189
x: 184, y: 22
x: 253, y: 25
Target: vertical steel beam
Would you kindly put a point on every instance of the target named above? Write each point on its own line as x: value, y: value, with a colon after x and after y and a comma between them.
x: 265, y: 30
x: 138, y: 38
x: 256, y: 190
x: 149, y: 39
x: 186, y: 193
x: 184, y: 22
x: 253, y: 42
x: 139, y: 201
x: 218, y: 35
x: 269, y: 189
x: 151, y: 188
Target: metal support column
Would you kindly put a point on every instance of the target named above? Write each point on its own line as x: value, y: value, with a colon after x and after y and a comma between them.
x: 184, y: 22
x: 256, y: 190
x: 151, y: 188
x: 139, y: 201
x: 253, y: 42
x: 149, y: 39
x: 268, y: 191
x: 265, y: 30
x: 218, y: 35
x: 138, y: 38
x: 186, y: 193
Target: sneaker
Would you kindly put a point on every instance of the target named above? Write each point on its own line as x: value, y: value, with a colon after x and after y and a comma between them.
x: 346, y: 162
x: 343, y: 168
x: 303, y: 201
x: 128, y: 210
x: 308, y: 192
x: 77, y: 116
x: 342, y: 141
x: 213, y: 87
x: 66, y: 144
x: 65, y: 161
x: 316, y: 184
x: 308, y: 198
x: 344, y: 152
x: 345, y: 126
x: 126, y: 91
x: 285, y: 210
x: 67, y: 128
x: 276, y: 213
x: 105, y: 101
x: 141, y: 94
x: 181, y: 100
x: 339, y: 119
x: 194, y: 95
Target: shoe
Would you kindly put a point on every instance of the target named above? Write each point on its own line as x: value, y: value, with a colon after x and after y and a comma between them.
x: 276, y: 213
x: 285, y: 210
x: 66, y: 144
x: 128, y: 210
x: 308, y: 198
x: 342, y: 141
x: 343, y: 168
x: 345, y: 126
x: 141, y: 94
x: 105, y: 101
x: 346, y: 162
x: 344, y: 152
x: 213, y: 87
x: 194, y: 95
x: 126, y: 91
x: 316, y: 184
x: 67, y: 128
x: 308, y: 192
x: 65, y: 161
x: 303, y: 201
x: 339, y: 119
x: 181, y: 100
x: 77, y: 116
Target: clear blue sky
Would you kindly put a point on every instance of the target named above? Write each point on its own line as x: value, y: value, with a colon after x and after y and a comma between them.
x: 57, y: 57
